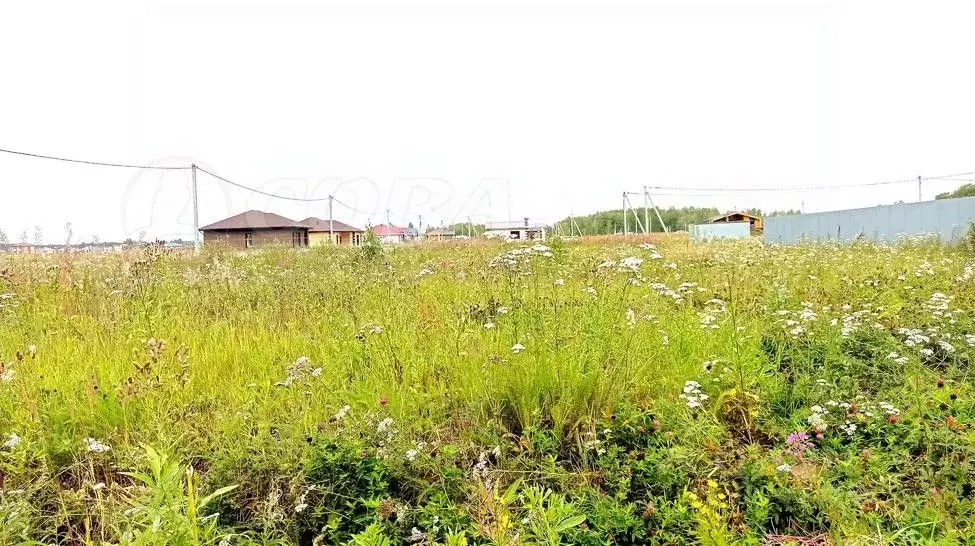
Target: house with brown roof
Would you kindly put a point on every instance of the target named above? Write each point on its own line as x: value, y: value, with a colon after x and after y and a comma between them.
x: 255, y: 228
x: 323, y: 232
x: 754, y: 222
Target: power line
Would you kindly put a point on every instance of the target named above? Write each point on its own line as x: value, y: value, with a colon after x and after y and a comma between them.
x: 792, y: 189
x: 98, y: 163
x: 956, y: 179
x: 683, y: 191
x: 278, y: 196
x: 268, y: 194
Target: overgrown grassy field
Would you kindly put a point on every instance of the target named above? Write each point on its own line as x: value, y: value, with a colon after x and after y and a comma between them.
x: 609, y: 392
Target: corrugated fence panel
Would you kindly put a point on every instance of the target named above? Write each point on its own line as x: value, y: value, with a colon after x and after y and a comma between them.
x: 720, y: 230
x: 948, y: 218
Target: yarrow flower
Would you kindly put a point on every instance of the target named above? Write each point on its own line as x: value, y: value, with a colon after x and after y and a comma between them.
x: 95, y: 446
x: 12, y: 441
x: 818, y: 418
x: 416, y: 535
x: 785, y: 468
x: 300, y: 369
x: 849, y: 428
x: 343, y: 411
x: 7, y: 374
x: 693, y: 394
x: 517, y: 348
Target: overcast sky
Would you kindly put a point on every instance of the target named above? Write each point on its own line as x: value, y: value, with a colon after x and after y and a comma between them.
x: 457, y: 109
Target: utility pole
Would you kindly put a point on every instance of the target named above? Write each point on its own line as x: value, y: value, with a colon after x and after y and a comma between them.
x: 470, y: 228
x: 636, y: 217
x: 918, y: 188
x: 646, y: 213
x: 331, y: 230
x: 624, y: 214
x: 657, y: 211
x: 196, y: 212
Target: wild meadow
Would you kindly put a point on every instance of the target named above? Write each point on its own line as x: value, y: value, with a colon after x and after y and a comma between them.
x: 619, y: 391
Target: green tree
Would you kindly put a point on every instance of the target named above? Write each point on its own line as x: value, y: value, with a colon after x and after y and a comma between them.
x: 965, y: 190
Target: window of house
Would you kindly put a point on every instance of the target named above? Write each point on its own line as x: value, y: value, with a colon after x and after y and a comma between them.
x: 356, y: 239
x: 248, y: 239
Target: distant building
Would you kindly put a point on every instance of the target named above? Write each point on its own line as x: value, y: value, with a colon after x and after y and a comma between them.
x: 390, y: 234
x: 255, y: 228
x: 440, y: 234
x: 523, y: 230
x: 754, y: 222
x: 323, y: 232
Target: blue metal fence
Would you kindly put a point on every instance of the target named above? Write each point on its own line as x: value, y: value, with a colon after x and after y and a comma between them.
x: 946, y: 219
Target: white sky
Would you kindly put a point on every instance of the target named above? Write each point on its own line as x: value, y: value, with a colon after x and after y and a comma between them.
x: 481, y: 109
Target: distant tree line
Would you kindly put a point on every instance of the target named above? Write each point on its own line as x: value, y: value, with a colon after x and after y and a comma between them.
x: 608, y: 222
x: 965, y: 190
x: 464, y: 228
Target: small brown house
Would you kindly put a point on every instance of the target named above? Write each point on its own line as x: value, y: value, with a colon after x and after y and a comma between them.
x: 255, y: 229
x: 755, y: 222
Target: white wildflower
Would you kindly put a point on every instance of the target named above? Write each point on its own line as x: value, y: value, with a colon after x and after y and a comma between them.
x: 517, y: 348
x: 95, y: 446
x: 849, y: 428
x: 631, y: 264
x: 343, y: 411
x: 630, y: 318
x: 784, y: 468
x: 12, y: 441
x: 693, y: 394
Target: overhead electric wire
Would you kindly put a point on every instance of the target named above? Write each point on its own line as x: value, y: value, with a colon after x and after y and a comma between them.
x: 807, y: 188
x: 98, y: 163
x: 277, y: 196
x: 255, y: 190
x: 683, y: 191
